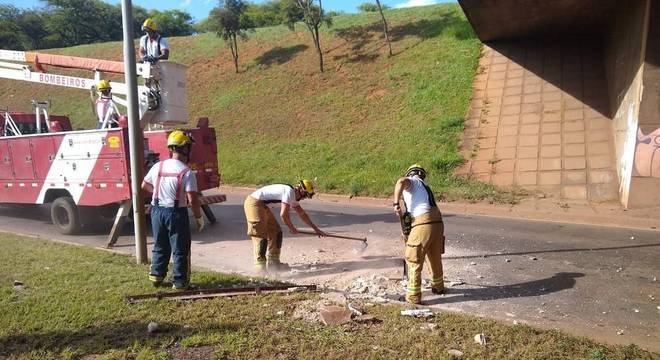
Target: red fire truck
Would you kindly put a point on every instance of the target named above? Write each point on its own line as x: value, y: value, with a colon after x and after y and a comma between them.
x: 85, y: 174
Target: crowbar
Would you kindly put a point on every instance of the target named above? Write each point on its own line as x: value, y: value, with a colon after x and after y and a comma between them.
x: 363, y: 239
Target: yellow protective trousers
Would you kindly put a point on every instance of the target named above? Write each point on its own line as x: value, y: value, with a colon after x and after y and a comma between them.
x: 264, y: 230
x: 426, y: 240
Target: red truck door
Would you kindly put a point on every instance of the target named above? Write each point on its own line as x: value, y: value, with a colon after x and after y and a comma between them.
x: 43, y: 155
x: 5, y: 161
x: 21, y: 158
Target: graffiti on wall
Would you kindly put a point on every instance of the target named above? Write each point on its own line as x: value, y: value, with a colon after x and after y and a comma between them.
x: 647, y: 154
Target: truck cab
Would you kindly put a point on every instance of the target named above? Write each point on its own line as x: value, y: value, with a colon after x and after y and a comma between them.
x: 26, y: 124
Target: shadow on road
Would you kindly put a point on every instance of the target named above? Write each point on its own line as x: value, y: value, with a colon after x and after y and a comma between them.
x: 549, y: 251
x: 558, y: 282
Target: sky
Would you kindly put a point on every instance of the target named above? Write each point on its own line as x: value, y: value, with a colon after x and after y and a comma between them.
x: 199, y: 9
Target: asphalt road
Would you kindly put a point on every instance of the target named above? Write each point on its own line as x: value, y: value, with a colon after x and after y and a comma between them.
x: 599, y: 282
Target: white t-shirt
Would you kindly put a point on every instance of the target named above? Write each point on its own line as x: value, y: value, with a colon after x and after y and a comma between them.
x: 151, y: 46
x: 276, y: 193
x: 106, y: 108
x: 416, y: 197
x: 169, y: 182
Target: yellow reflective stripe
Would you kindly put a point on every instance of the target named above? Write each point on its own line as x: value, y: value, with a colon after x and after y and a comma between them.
x: 155, y: 278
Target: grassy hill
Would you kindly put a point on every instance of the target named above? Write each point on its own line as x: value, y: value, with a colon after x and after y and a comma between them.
x: 354, y: 129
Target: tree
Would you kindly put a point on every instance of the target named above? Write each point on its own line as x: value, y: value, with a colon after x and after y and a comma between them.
x: 266, y: 14
x: 385, y: 30
x: 368, y: 7
x: 172, y: 22
x: 311, y: 15
x: 11, y: 35
x: 228, y: 22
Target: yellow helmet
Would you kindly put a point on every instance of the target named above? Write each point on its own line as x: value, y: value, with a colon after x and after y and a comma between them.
x: 308, y: 186
x: 178, y: 138
x: 150, y: 24
x: 103, y: 85
x: 416, y: 169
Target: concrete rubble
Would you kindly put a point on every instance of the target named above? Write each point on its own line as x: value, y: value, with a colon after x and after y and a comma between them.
x: 18, y: 285
x: 152, y: 327
x: 481, y: 339
x: 428, y: 326
x: 375, y: 285
x: 335, y: 315
x: 417, y: 312
x: 455, y: 354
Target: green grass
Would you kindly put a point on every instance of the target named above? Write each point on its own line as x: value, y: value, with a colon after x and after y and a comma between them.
x: 354, y: 129
x: 73, y: 307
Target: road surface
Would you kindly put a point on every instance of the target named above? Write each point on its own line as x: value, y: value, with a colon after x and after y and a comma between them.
x: 599, y: 282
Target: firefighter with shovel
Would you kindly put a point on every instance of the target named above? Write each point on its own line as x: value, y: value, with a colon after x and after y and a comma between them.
x: 262, y: 227
x: 426, y: 238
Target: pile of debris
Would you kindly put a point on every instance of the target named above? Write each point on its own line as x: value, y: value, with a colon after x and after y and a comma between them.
x: 374, y: 285
x: 333, y: 309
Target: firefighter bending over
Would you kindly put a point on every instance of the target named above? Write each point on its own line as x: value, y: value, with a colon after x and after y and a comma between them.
x: 153, y: 47
x: 173, y: 186
x: 263, y: 228
x: 106, y: 109
x: 426, y: 238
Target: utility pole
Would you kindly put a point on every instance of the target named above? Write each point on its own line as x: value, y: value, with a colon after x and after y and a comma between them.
x: 135, y: 134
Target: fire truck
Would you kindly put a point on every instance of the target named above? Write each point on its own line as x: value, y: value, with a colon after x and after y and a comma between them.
x: 85, y: 174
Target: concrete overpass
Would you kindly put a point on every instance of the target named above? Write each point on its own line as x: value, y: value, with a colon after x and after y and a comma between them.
x: 567, y: 98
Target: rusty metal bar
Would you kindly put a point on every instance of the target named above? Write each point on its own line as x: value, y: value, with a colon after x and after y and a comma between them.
x: 213, y: 293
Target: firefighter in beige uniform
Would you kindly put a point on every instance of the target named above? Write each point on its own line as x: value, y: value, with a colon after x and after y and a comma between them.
x: 263, y: 228
x: 426, y: 239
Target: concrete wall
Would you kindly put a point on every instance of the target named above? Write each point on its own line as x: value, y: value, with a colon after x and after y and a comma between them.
x: 645, y: 182
x: 624, y: 60
x: 537, y: 120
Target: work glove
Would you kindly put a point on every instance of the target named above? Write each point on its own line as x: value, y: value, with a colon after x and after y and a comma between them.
x: 200, y: 223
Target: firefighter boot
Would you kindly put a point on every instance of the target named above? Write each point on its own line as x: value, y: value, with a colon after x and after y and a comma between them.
x: 260, y: 246
x: 156, y: 281
x: 274, y: 248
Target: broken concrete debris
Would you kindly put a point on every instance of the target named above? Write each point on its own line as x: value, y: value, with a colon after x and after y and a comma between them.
x: 354, y: 310
x: 152, y: 327
x: 619, y: 332
x: 481, y: 339
x: 455, y: 354
x: 375, y: 285
x: 417, y: 312
x: 18, y: 285
x: 428, y: 326
x: 335, y: 315
x: 334, y: 297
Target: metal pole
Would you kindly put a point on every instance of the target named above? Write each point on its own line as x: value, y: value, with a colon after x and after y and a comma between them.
x: 134, y: 134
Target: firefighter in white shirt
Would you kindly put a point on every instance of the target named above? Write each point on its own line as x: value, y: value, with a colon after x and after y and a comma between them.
x: 153, y: 47
x: 106, y: 109
x: 426, y: 238
x: 173, y: 186
x: 263, y: 228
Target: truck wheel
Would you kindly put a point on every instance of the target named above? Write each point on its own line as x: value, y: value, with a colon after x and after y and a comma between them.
x: 65, y: 216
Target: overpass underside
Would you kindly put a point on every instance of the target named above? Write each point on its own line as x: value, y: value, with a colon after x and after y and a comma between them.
x: 567, y: 98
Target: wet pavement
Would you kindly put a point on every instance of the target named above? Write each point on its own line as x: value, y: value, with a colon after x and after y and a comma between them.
x: 594, y: 281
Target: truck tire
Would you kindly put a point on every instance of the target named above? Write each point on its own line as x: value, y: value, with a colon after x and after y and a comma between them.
x: 65, y: 216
